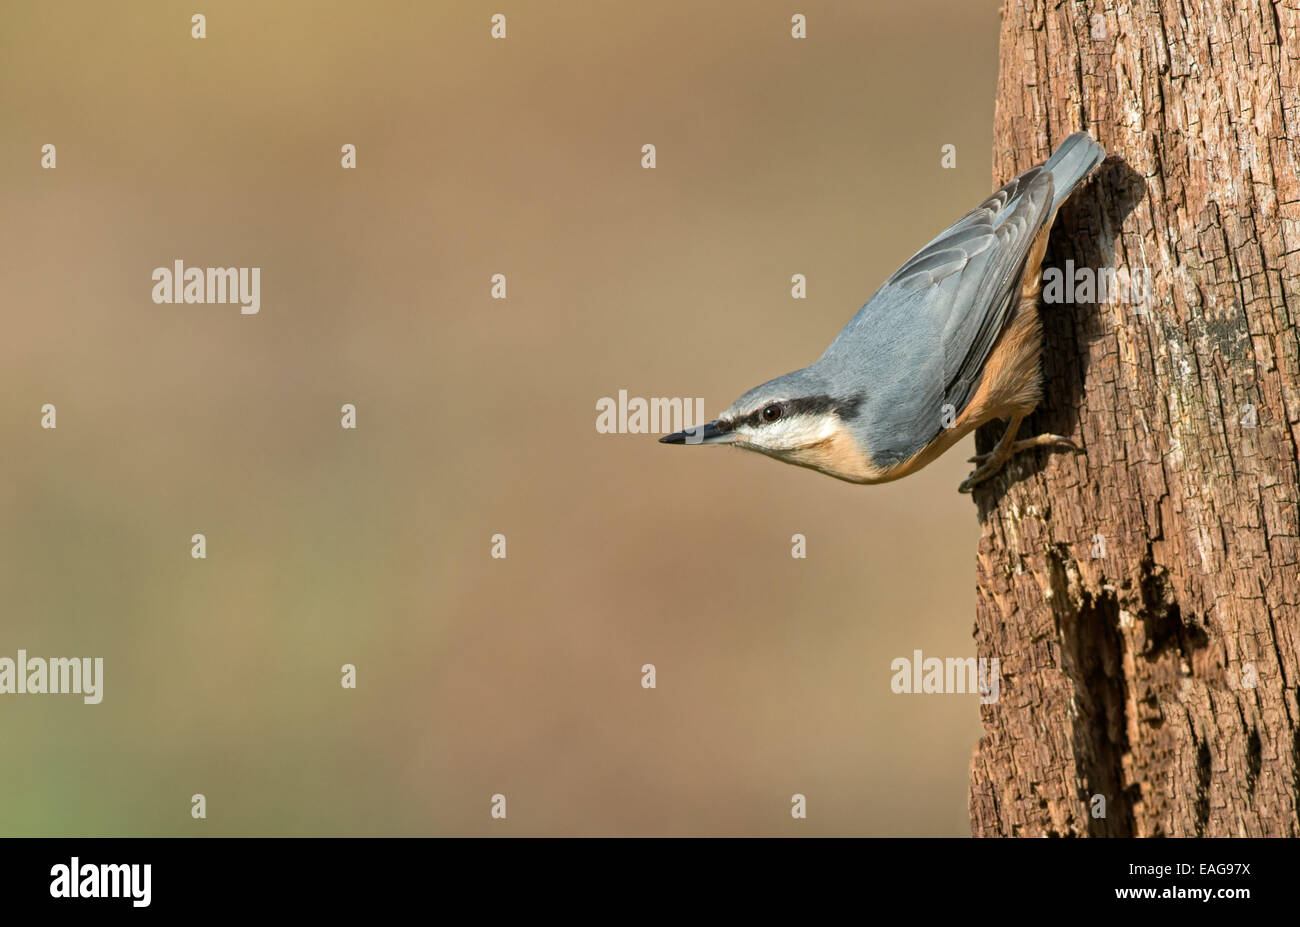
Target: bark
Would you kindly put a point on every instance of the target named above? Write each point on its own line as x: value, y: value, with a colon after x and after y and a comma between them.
x: 1143, y: 597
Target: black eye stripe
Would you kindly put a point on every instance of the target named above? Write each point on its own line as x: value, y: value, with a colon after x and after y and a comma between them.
x: 806, y: 405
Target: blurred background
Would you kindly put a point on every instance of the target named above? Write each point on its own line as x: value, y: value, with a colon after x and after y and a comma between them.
x: 475, y: 417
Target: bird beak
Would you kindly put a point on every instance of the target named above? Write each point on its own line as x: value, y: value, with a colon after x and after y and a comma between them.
x: 710, y: 433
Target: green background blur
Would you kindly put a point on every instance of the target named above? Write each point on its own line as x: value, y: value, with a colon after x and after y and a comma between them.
x: 371, y: 547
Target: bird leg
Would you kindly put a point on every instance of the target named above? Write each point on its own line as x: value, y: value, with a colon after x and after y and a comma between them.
x: 1045, y: 440
x: 1005, y: 449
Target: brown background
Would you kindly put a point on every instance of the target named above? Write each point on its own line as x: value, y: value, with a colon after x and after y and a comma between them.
x: 476, y: 416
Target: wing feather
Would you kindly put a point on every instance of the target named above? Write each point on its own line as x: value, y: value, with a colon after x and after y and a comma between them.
x: 967, y: 278
x: 922, y: 340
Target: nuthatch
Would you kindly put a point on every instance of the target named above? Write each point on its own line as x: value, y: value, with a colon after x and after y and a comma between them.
x: 952, y: 340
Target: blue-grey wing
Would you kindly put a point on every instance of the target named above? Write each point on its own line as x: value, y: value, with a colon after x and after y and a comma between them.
x: 970, y: 277
x: 953, y: 298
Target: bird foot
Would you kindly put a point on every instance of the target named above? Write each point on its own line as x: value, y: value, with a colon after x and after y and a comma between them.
x: 1039, y: 441
x: 992, y: 462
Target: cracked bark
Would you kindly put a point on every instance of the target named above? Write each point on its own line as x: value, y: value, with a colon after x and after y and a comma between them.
x: 1143, y: 597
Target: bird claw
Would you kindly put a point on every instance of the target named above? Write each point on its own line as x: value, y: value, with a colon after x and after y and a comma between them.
x: 1060, y: 441
x: 984, y: 460
x: 978, y: 476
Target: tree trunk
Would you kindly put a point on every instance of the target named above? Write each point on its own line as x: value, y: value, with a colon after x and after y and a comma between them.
x: 1143, y: 597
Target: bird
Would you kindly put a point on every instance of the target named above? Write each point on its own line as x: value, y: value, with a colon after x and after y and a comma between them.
x: 952, y: 340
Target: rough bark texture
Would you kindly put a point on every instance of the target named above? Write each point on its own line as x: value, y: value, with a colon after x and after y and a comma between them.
x: 1161, y: 675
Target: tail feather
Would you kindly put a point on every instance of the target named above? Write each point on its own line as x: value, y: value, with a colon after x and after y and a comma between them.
x: 1071, y: 163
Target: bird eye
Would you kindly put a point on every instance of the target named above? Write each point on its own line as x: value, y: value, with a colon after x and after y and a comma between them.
x: 772, y: 413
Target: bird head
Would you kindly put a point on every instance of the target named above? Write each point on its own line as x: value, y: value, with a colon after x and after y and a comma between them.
x: 795, y: 418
